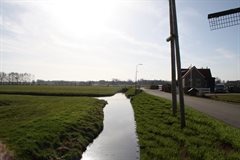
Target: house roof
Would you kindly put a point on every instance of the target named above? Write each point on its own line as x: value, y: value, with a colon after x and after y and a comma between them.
x: 204, y: 72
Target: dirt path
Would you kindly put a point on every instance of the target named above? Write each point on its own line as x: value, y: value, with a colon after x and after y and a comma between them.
x: 226, y: 112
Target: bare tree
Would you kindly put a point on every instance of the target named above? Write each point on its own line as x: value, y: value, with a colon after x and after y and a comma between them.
x: 3, y: 77
x: 16, y: 78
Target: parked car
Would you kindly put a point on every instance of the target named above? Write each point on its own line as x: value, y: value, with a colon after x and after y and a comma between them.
x: 220, y: 88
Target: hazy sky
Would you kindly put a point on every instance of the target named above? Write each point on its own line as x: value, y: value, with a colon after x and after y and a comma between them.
x: 105, y: 39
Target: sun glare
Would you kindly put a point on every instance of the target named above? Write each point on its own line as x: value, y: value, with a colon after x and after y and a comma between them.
x: 83, y: 17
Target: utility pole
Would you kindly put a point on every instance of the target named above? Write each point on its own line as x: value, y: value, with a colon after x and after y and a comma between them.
x: 174, y: 36
x: 171, y: 39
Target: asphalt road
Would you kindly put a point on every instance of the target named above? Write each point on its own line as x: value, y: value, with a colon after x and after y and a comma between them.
x: 226, y: 112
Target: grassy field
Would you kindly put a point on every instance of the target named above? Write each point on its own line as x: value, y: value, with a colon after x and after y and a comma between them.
x: 160, y: 135
x: 233, y: 98
x: 40, y: 127
x: 59, y: 90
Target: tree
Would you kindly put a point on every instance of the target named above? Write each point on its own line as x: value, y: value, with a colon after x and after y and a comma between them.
x: 218, y: 80
x: 16, y: 78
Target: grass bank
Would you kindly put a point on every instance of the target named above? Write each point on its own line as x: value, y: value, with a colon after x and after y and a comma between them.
x: 130, y: 92
x: 45, y: 90
x: 160, y: 135
x: 39, y: 127
x: 232, y: 98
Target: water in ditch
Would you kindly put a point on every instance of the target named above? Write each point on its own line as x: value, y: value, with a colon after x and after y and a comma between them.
x: 118, y: 140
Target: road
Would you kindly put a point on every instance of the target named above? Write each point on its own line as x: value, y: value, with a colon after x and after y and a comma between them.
x: 226, y: 112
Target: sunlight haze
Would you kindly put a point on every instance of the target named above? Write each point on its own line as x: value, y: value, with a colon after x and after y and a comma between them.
x: 94, y: 40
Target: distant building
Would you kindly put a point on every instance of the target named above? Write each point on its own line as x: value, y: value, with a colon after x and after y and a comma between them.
x: 233, y: 86
x: 197, y: 78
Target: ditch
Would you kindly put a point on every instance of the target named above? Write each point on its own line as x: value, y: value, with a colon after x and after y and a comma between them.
x: 118, y: 140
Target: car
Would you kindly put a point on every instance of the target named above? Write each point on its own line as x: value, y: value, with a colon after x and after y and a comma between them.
x: 220, y: 88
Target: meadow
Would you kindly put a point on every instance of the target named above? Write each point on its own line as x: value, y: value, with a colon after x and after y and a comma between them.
x: 48, y: 90
x: 41, y: 127
x: 160, y: 135
x: 59, y: 124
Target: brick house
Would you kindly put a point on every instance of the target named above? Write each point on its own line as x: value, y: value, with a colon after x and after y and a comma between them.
x: 197, y: 78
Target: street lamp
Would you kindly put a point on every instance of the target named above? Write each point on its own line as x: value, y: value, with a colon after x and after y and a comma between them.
x: 136, y: 83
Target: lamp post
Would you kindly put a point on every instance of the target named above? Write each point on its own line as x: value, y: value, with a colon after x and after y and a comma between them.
x: 136, y: 77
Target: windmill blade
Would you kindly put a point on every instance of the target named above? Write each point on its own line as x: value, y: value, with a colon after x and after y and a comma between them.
x: 224, y: 19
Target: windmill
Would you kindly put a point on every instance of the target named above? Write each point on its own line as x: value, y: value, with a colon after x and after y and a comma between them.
x: 224, y: 19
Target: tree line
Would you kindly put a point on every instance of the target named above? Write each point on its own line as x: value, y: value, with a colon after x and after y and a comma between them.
x: 16, y: 78
x: 113, y: 82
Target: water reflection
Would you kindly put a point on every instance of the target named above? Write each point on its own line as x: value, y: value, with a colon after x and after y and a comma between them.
x: 118, y: 140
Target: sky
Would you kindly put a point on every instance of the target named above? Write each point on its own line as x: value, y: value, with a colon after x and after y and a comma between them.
x: 100, y: 40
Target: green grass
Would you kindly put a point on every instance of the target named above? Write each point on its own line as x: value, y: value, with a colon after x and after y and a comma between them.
x: 39, y: 127
x: 160, y: 135
x: 130, y: 92
x: 59, y: 90
x: 233, y: 98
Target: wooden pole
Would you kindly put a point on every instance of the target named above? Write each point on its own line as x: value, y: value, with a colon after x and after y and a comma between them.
x: 174, y: 93
x: 178, y: 58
